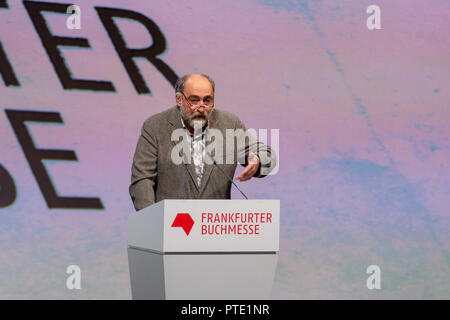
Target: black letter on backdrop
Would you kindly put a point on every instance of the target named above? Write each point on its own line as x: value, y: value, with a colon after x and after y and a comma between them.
x: 34, y: 156
x: 6, y: 70
x: 51, y: 44
x: 107, y: 16
x: 7, y: 188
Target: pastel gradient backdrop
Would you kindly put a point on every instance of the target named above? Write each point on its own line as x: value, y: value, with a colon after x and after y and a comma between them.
x: 364, y: 140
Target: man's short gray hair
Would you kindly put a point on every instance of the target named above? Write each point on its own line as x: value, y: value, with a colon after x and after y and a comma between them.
x: 179, y: 85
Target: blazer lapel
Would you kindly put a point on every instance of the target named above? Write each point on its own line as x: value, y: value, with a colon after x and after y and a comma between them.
x: 175, y: 122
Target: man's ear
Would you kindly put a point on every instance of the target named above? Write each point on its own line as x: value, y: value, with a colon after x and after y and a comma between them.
x: 178, y: 99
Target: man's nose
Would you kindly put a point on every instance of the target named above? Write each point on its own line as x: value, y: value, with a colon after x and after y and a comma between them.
x: 201, y: 107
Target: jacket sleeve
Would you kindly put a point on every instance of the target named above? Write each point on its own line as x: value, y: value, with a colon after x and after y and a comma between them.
x: 143, y: 171
x: 246, y: 143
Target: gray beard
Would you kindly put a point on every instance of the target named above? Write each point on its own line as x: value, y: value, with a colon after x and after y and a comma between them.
x: 196, y: 124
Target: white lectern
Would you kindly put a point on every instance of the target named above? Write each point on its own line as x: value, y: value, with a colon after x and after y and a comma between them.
x: 204, y: 249
x: 206, y: 226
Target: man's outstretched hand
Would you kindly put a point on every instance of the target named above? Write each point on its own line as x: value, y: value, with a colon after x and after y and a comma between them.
x: 250, y: 169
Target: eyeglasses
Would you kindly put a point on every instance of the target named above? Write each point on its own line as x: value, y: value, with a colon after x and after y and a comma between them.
x: 194, y: 101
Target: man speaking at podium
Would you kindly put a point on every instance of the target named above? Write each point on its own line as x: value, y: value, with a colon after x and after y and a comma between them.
x: 199, y: 171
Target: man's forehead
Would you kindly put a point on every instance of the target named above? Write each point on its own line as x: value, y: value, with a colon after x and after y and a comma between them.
x: 197, y: 84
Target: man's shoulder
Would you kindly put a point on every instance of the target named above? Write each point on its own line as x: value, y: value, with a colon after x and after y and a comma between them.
x: 159, y: 117
x: 224, y: 115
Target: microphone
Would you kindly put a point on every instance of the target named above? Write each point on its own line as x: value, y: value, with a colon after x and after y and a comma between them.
x: 223, y: 172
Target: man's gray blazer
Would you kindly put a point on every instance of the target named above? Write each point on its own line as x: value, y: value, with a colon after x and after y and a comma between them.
x: 154, y: 176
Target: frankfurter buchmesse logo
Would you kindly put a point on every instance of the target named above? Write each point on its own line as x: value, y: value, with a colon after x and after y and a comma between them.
x: 184, y: 221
